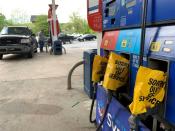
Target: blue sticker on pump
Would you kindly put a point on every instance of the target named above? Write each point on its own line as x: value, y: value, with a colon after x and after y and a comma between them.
x: 129, y: 41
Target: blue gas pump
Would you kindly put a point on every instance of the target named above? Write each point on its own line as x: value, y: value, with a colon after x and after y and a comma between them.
x: 160, y: 12
x: 130, y: 9
x: 160, y: 54
x: 119, y: 14
x: 128, y: 46
x: 127, y: 20
x: 111, y: 13
x: 88, y: 57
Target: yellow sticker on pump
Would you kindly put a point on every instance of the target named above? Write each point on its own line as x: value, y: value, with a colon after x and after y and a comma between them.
x: 155, y: 46
x: 124, y: 43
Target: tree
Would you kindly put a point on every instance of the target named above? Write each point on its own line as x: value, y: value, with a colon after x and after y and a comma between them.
x: 41, y: 24
x: 76, y: 22
x: 2, y: 21
x: 76, y: 25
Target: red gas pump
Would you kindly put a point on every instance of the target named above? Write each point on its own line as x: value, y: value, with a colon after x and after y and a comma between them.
x: 94, y: 14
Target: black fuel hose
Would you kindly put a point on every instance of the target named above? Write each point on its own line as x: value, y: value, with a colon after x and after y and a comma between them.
x: 92, y: 104
x: 106, y: 110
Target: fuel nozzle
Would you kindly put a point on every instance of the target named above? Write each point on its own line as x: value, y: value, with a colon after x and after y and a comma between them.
x: 93, y: 101
x: 133, y: 122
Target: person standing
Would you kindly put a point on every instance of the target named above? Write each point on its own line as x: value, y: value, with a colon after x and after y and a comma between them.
x: 41, y: 38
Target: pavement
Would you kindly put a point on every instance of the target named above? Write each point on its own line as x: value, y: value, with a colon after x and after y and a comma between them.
x: 34, y: 95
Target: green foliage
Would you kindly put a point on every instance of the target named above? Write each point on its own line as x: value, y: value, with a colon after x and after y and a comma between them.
x: 40, y: 24
x: 2, y: 21
x: 9, y: 23
x: 76, y: 25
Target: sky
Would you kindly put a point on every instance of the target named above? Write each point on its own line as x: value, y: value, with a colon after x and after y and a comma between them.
x: 37, y: 7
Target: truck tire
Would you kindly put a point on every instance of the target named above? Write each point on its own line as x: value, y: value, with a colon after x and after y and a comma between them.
x: 30, y: 54
x: 35, y: 51
x: 1, y: 56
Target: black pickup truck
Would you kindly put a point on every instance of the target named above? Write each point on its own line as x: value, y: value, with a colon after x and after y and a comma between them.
x: 17, y: 40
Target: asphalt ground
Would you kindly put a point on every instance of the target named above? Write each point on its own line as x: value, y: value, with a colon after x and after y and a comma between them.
x: 34, y: 95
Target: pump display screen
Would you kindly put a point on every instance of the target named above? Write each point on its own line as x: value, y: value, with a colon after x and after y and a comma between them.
x: 112, y: 10
x: 93, y: 6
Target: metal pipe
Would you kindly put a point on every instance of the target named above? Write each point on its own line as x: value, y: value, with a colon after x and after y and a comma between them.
x: 69, y: 84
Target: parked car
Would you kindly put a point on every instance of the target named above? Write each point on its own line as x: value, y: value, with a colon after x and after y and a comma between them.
x: 86, y: 37
x: 75, y: 35
x: 65, y: 38
x: 17, y: 40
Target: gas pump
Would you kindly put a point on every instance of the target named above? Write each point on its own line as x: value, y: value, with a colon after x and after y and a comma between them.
x: 111, y: 13
x: 110, y: 113
x: 125, y: 43
x: 107, y: 105
x: 128, y: 46
x: 94, y: 14
x: 129, y: 31
x: 159, y: 54
x: 119, y: 14
x: 160, y: 12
